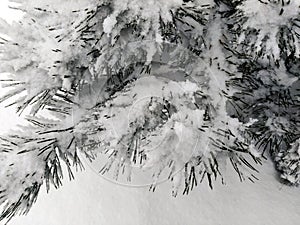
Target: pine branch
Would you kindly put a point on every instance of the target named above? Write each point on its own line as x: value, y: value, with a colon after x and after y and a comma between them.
x: 32, y: 159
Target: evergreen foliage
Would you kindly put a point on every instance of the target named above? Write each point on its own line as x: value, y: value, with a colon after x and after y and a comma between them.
x: 202, y: 83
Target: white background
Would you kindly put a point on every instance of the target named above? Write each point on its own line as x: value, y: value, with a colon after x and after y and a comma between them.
x: 92, y: 200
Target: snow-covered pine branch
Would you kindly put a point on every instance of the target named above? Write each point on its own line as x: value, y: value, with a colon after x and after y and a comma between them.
x: 27, y: 160
x: 265, y: 51
x: 176, y: 87
x: 268, y: 29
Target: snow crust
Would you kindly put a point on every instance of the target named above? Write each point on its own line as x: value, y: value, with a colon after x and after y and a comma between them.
x: 91, y: 199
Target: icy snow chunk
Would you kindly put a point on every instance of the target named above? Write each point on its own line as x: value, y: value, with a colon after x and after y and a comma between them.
x: 109, y: 23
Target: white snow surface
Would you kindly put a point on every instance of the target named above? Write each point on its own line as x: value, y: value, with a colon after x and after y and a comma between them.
x: 91, y: 200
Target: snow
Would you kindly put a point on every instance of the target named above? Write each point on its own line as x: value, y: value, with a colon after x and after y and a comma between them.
x: 109, y: 23
x: 91, y: 199
x: 9, y: 14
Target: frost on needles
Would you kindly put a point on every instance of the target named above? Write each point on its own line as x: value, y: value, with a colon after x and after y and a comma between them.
x: 176, y: 87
